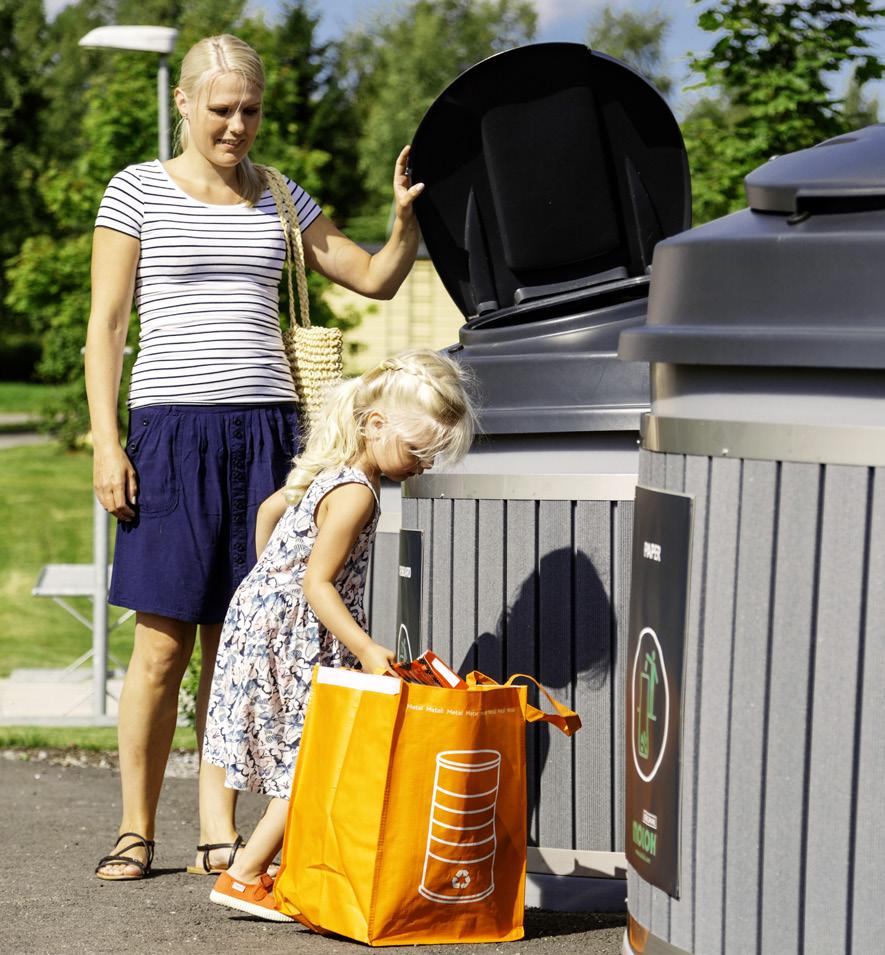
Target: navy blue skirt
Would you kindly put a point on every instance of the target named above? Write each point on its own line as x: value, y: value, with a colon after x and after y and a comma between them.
x: 203, y: 471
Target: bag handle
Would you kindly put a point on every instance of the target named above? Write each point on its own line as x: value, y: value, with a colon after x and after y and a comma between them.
x: 563, y: 719
x: 279, y: 190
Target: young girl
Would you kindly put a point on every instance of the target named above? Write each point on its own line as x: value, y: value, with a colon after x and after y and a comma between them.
x: 302, y: 604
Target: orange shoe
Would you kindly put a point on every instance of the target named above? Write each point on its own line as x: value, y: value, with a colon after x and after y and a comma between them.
x: 256, y: 898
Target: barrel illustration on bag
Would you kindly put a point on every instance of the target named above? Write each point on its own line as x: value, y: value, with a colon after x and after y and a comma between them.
x: 459, y: 864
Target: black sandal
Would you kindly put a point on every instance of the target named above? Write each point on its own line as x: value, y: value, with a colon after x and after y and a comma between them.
x: 206, y: 848
x: 120, y: 858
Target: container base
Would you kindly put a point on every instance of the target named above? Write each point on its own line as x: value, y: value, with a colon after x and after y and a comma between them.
x: 560, y: 893
x: 653, y: 946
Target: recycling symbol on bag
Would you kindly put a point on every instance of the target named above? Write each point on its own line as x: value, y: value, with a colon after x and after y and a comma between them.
x: 461, y: 879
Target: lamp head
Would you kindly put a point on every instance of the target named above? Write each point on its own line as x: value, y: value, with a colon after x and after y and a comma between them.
x: 148, y: 39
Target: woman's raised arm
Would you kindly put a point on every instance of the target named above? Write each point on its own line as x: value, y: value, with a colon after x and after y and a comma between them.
x: 330, y: 252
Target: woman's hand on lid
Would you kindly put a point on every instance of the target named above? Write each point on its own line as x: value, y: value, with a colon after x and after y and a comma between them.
x: 404, y: 192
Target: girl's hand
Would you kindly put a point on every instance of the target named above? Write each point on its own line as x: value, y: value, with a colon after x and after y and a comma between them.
x: 113, y: 478
x: 404, y: 193
x: 375, y: 658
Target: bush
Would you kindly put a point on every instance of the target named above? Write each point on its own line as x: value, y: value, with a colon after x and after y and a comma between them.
x: 187, y: 696
x: 19, y: 354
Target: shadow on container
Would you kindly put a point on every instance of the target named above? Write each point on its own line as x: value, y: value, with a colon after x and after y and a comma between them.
x: 538, y: 634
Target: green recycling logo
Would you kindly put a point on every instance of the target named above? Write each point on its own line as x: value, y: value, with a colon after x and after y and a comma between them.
x: 650, y: 705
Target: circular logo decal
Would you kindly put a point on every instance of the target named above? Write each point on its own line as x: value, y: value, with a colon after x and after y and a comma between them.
x: 649, y: 705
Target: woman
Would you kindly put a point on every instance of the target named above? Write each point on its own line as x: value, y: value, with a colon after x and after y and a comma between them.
x: 212, y: 417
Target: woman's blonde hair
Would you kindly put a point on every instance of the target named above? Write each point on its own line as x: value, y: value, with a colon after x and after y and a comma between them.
x: 204, y: 62
x: 425, y: 398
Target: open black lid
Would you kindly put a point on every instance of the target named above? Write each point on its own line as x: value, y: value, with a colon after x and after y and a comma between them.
x: 549, y: 169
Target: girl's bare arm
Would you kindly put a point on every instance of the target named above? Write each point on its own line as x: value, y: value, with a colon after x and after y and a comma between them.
x: 341, y: 515
x: 269, y: 514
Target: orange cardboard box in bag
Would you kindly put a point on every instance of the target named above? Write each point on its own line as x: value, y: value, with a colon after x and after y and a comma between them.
x: 407, y: 822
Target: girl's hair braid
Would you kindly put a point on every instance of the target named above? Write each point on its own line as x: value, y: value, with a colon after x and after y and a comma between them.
x: 426, y: 398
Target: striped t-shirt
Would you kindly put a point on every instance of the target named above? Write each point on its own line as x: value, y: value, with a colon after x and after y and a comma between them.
x: 206, y: 291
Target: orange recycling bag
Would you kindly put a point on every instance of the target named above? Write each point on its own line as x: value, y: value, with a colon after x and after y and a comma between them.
x: 407, y: 822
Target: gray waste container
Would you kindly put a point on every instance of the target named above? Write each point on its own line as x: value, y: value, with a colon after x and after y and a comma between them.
x: 766, y: 334
x: 551, y: 172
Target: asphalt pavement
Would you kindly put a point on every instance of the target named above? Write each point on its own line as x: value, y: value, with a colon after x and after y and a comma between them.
x: 59, y: 815
x: 57, y: 820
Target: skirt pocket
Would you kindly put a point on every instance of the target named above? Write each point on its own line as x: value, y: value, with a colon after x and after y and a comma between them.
x: 152, y: 450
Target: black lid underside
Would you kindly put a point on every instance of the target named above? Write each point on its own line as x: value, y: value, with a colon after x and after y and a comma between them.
x: 550, y: 171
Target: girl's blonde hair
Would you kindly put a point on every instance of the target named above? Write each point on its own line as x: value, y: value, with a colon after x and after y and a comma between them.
x: 204, y: 62
x: 425, y: 398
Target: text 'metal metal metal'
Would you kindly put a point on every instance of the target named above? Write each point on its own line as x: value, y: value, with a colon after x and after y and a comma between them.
x: 408, y: 596
x: 655, y: 652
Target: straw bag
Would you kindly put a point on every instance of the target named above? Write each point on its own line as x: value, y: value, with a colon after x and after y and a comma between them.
x: 314, y: 352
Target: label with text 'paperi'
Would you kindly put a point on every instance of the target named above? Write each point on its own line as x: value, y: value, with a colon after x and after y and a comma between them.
x: 655, y: 650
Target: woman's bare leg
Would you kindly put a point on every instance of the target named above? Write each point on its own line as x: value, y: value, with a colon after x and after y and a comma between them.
x: 217, y: 803
x: 146, y: 722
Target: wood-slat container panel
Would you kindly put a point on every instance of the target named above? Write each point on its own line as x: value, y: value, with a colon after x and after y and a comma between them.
x: 541, y: 587
x: 783, y: 760
x: 381, y: 588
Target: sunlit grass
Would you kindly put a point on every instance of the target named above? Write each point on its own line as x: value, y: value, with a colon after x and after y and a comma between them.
x: 83, y: 737
x: 45, y: 517
x: 24, y: 397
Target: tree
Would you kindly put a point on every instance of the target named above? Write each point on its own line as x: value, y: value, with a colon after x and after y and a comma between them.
x: 636, y: 38
x: 399, y: 63
x: 299, y: 134
x: 772, y: 65
x: 307, y: 109
x: 49, y: 280
x: 859, y: 109
x: 23, y: 26
x: 65, y: 71
x: 111, y: 102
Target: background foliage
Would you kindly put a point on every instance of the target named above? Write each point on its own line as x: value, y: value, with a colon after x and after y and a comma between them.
x: 774, y: 67
x: 778, y: 76
x: 336, y: 115
x: 398, y: 63
x: 635, y: 37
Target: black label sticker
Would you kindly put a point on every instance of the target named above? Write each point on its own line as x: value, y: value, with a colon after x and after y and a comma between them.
x: 655, y: 652
x: 408, y: 596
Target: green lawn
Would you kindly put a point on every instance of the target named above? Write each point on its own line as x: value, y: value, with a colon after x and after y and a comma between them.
x: 77, y: 737
x: 45, y: 517
x: 24, y: 397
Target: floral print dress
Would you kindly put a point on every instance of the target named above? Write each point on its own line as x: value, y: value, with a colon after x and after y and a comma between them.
x: 269, y: 644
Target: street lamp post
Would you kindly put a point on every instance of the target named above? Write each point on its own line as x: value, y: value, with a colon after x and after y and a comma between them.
x: 147, y: 39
